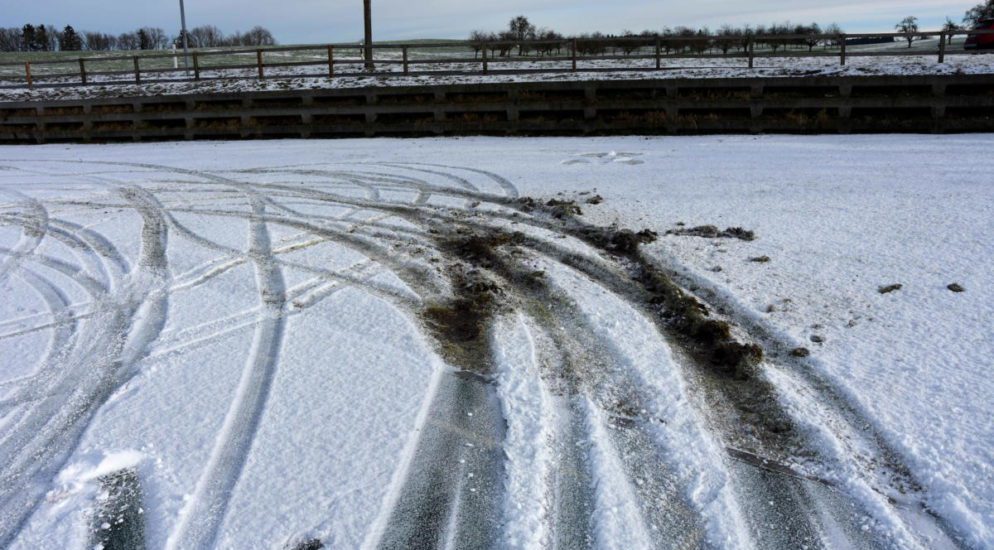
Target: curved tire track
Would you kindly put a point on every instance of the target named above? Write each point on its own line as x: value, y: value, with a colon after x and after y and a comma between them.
x: 453, y: 489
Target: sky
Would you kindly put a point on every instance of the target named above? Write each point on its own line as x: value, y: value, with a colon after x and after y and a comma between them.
x: 302, y: 21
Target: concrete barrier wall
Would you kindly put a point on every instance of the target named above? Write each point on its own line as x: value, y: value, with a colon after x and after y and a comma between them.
x: 953, y: 103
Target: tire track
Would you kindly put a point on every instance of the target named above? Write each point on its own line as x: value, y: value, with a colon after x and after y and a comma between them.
x: 204, y: 513
x: 64, y: 325
x: 34, y: 227
x: 612, y: 473
x: 47, y: 434
x: 864, y: 454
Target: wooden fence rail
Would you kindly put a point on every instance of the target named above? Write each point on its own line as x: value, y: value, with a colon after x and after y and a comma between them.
x: 486, y: 54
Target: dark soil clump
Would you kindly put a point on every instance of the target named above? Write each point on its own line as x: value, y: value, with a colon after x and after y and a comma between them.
x: 527, y: 204
x: 889, y: 288
x: 710, y: 337
x: 619, y: 241
x: 956, y: 287
x: 560, y: 209
x: 480, y: 250
x: 800, y: 352
x: 760, y: 259
x: 596, y: 199
x: 689, y: 319
x: 460, y: 324
x: 712, y: 232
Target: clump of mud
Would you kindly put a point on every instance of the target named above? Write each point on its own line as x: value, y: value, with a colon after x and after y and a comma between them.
x: 560, y: 209
x: 619, y: 241
x: 527, y: 204
x: 459, y: 324
x: 595, y: 200
x: 691, y: 319
x: 479, y: 249
x: 712, y: 232
x: 889, y: 288
x: 956, y: 287
x: 710, y: 338
x: 760, y: 259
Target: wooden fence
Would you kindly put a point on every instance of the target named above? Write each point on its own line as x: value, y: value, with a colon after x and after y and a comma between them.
x: 573, y: 55
x: 933, y: 103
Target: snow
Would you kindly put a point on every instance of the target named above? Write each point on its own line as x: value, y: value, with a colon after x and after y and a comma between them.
x: 301, y: 419
x: 280, y: 79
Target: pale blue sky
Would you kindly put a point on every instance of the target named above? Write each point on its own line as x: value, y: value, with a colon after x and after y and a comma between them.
x: 340, y: 20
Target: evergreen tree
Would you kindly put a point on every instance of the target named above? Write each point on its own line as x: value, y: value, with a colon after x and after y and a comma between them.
x: 69, y: 40
x: 41, y: 41
x: 28, y: 38
x: 144, y: 42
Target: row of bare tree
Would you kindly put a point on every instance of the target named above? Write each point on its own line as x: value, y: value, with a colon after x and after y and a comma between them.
x: 524, y: 37
x: 46, y: 38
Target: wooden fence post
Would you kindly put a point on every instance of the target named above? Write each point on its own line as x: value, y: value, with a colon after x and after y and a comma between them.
x: 27, y: 73
x: 485, y: 68
x: 752, y: 52
x: 842, y: 41
x: 258, y: 62
x: 942, y: 47
x: 82, y: 70
x: 574, y: 55
x: 196, y: 66
x: 138, y: 74
x: 659, y: 60
x: 404, y: 53
x: 331, y: 61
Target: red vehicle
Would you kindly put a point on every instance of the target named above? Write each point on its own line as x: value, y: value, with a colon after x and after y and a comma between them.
x: 981, y: 41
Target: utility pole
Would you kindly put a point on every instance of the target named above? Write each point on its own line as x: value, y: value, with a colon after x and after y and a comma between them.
x: 368, y: 41
x: 186, y: 46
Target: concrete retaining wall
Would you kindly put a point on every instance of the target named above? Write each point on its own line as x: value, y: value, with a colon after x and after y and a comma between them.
x: 955, y: 103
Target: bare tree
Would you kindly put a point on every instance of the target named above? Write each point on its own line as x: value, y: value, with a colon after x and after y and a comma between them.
x: 909, y: 28
x: 97, y: 41
x: 777, y: 29
x: 812, y: 32
x: 550, y: 41
x: 259, y: 36
x: 10, y: 40
x: 206, y: 36
x: 835, y: 30
x: 477, y: 40
x: 505, y: 42
x: 521, y: 29
x: 157, y: 38
x: 128, y: 41
x: 727, y: 36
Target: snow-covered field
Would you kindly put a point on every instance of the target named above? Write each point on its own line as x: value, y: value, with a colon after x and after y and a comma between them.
x: 350, y: 76
x: 385, y: 343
